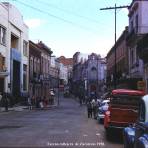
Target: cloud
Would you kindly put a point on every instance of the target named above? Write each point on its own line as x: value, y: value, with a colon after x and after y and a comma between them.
x: 34, y: 23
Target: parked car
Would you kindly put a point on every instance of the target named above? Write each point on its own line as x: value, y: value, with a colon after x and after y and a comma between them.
x: 136, y: 136
x: 122, y: 111
x: 102, y: 109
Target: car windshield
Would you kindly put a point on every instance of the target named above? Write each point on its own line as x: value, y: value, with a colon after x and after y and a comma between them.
x: 125, y: 100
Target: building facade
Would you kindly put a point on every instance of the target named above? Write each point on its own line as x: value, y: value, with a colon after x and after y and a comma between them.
x: 142, y: 48
x: 45, y: 69
x: 89, y: 74
x: 54, y: 72
x: 34, y: 70
x: 14, y: 52
x: 122, y: 72
x: 138, y: 26
x: 68, y: 63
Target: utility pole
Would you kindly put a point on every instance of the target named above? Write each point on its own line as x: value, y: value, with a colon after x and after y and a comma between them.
x: 115, y: 48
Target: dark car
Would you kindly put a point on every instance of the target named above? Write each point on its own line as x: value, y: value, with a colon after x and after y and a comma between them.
x: 136, y: 135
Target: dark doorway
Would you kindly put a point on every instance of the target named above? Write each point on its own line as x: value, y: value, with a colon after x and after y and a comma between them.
x: 1, y: 84
x: 93, y: 88
x: 16, y: 80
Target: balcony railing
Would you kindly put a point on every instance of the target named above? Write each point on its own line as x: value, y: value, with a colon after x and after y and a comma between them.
x: 131, y: 34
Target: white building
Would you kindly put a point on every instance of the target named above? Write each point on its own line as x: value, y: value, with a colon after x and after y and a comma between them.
x: 63, y: 75
x: 138, y: 26
x: 13, y: 51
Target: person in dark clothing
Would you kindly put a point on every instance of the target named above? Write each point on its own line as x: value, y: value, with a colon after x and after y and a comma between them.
x: 5, y: 99
x: 94, y: 108
x: 89, y: 109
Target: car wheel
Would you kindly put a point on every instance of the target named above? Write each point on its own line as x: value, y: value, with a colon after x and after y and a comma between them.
x: 108, y: 133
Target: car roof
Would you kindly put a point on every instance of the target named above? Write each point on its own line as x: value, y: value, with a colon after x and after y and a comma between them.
x: 127, y: 92
x: 105, y: 101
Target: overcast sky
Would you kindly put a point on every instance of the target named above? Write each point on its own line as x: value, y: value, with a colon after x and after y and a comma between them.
x: 67, y: 26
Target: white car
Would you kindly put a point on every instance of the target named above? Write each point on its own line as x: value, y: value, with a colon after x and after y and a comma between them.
x: 102, y: 109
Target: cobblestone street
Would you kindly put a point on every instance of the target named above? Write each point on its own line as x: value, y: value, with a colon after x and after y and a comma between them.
x: 64, y: 126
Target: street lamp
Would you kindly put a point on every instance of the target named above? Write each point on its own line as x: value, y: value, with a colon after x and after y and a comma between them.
x: 58, y: 86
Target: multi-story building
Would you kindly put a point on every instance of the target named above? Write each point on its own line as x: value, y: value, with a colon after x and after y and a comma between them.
x: 54, y: 72
x: 63, y: 74
x: 138, y: 26
x: 121, y: 75
x: 34, y: 70
x: 89, y: 73
x: 14, y: 52
x: 94, y: 76
x: 142, y: 48
x: 67, y: 62
x: 45, y: 69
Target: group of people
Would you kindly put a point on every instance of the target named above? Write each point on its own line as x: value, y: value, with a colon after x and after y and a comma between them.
x: 37, y: 102
x: 40, y: 102
x: 92, y: 108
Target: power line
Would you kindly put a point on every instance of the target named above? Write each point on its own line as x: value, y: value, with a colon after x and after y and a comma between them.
x: 57, y: 17
x: 69, y: 12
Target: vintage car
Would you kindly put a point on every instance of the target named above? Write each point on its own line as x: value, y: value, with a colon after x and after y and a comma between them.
x: 136, y: 135
x: 122, y: 111
x: 102, y: 109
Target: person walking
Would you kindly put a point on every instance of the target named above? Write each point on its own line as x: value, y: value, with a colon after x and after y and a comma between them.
x: 0, y: 100
x: 89, y: 109
x: 94, y: 108
x: 5, y: 99
x: 29, y: 103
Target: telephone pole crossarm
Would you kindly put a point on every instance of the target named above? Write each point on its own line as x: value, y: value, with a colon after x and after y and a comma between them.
x: 119, y: 7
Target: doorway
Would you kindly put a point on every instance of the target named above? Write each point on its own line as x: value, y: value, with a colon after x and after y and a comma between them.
x: 2, y: 85
x: 16, y: 80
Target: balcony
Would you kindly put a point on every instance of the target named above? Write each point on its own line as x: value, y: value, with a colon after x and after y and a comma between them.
x: 36, y: 78
x: 142, y: 48
x: 131, y: 36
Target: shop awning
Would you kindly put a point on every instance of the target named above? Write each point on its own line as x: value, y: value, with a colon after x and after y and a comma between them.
x: 4, y: 74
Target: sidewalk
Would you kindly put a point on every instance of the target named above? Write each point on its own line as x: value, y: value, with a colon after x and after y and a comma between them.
x: 21, y: 108
x: 17, y: 108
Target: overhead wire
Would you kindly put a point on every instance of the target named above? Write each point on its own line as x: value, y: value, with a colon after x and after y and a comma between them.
x: 68, y: 11
x: 54, y: 16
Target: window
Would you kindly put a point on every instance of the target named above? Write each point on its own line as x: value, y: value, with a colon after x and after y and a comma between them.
x: 136, y: 22
x: 132, y: 57
x: 31, y: 67
x: 25, y: 45
x: 132, y: 26
x: 2, y: 35
x: 24, y: 77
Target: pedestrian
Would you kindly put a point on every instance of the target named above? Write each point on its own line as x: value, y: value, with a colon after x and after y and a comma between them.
x: 5, y: 99
x: 0, y: 96
x: 29, y: 103
x: 80, y: 100
x: 41, y: 104
x: 89, y: 109
x: 94, y: 108
x: 33, y: 100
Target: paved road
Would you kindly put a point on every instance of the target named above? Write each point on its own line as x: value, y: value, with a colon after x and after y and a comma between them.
x: 66, y: 126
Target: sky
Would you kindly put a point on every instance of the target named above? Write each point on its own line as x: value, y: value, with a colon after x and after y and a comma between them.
x: 68, y: 26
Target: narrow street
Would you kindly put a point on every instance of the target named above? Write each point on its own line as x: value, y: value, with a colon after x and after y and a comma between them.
x: 65, y: 126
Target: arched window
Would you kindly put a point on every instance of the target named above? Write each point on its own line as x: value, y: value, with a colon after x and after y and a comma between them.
x: 93, y: 73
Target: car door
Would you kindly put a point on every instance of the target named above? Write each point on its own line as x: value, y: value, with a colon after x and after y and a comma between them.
x: 140, y: 124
